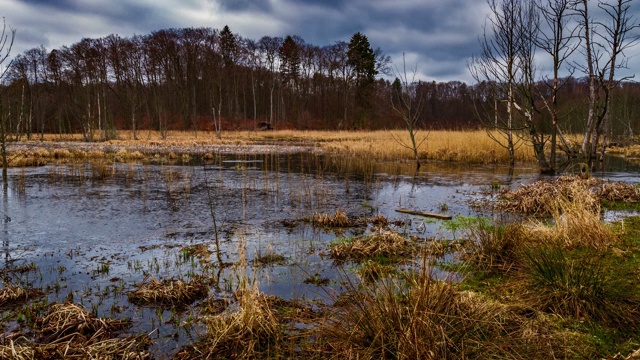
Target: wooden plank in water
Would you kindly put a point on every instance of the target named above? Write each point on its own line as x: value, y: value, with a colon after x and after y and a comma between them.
x: 425, y: 214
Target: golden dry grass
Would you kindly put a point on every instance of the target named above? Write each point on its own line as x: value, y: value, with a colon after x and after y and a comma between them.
x: 11, y: 294
x: 338, y: 219
x: 456, y: 146
x: 383, y: 243
x: 245, y: 333
x: 541, y: 197
x: 68, y: 332
x: 174, y: 293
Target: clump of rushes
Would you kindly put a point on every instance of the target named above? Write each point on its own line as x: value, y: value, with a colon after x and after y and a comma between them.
x: 381, y: 244
x: 169, y: 293
x: 339, y: 219
x: 576, y: 223
x: 69, y: 332
x: 619, y: 192
x: 578, y: 287
x: 270, y: 258
x: 66, y: 319
x: 249, y: 332
x: 201, y: 251
x: 417, y: 317
x: 12, y: 294
x: 494, y: 248
x: 540, y: 198
x: 379, y: 220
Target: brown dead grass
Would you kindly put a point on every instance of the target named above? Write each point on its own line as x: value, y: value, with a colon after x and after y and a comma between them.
x: 541, y: 197
x: 11, y: 294
x: 69, y: 332
x: 169, y: 293
x: 383, y: 243
x: 248, y: 332
x: 338, y: 219
x: 450, y: 146
x: 619, y: 192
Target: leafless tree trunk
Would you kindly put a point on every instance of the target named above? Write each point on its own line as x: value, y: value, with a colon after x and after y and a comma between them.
x: 605, y: 54
x: 557, y: 40
x: 409, y: 106
x: 6, y: 43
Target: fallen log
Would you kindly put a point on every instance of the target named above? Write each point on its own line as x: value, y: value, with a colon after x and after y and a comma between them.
x: 425, y: 214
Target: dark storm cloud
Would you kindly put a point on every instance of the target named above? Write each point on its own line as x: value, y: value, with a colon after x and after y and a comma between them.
x: 244, y: 5
x: 436, y: 36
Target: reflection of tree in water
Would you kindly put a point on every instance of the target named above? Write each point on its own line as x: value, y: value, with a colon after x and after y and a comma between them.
x: 5, y: 227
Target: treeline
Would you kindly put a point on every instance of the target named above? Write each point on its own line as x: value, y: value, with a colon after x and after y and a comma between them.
x: 207, y: 79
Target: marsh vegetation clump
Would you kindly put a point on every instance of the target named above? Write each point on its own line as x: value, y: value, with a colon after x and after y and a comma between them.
x: 581, y: 287
x: 414, y: 316
x: 269, y: 258
x: 338, y: 219
x: 619, y: 192
x: 169, y: 292
x: 540, y: 198
x: 12, y: 294
x: 251, y: 330
x: 200, y: 251
x: 67, y: 331
x: 384, y: 245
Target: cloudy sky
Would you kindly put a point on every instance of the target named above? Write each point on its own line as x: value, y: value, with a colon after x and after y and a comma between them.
x: 437, y: 36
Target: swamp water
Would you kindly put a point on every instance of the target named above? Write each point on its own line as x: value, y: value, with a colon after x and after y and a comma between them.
x: 94, y: 232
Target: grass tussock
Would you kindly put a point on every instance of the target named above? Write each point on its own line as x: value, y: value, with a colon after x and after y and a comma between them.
x: 69, y: 319
x: 270, y: 258
x: 581, y: 288
x: 576, y: 224
x: 200, y: 251
x: 69, y: 332
x: 619, y: 192
x: 338, y: 219
x: 494, y: 248
x: 381, y: 245
x: 13, y: 294
x: 169, y: 292
x: 541, y: 198
x: 417, y: 317
x: 252, y: 330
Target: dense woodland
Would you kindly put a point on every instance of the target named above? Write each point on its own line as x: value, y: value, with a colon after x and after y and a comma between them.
x: 202, y: 78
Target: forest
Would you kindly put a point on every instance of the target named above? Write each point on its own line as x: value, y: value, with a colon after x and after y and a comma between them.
x: 209, y: 79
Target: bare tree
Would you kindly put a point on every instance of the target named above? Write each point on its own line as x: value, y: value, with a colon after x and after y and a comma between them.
x: 557, y: 39
x: 408, y: 104
x: 498, y: 64
x: 7, y: 37
x: 605, y: 43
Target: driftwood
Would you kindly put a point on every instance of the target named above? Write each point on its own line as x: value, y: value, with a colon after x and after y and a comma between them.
x: 425, y: 214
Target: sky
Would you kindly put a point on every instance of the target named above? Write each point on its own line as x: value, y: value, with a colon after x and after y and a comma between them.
x: 437, y: 37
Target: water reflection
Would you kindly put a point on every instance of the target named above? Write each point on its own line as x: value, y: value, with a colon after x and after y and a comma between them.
x: 68, y: 221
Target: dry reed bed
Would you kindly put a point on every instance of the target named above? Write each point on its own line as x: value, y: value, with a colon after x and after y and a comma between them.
x: 169, y: 292
x: 450, y: 146
x: 69, y: 332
